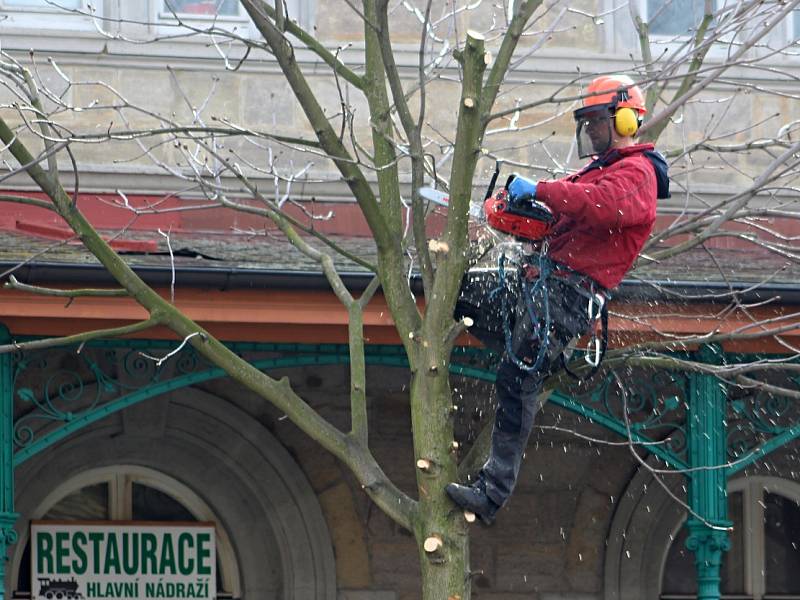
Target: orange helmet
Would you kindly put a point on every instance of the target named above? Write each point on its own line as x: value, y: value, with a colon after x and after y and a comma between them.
x: 631, y: 97
x: 616, y: 99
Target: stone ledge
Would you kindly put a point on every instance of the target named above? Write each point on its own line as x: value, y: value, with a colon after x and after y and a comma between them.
x: 365, y: 595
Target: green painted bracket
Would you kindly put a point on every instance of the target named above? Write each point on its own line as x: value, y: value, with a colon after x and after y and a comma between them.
x: 619, y: 428
x: 780, y: 440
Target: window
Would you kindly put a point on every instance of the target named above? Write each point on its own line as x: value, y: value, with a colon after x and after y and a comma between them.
x: 42, y: 4
x: 170, y: 18
x: 795, y: 30
x: 226, y: 14
x: 781, y: 545
x: 222, y: 8
x: 671, y: 23
x: 764, y: 559
x: 55, y: 14
x: 673, y: 17
x: 131, y: 494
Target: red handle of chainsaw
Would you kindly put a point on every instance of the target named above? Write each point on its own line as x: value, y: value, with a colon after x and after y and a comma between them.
x: 533, y: 222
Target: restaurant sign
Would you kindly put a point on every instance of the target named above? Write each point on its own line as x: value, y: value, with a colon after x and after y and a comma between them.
x: 73, y: 560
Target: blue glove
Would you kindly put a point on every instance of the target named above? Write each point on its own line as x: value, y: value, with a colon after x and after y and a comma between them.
x: 521, y: 189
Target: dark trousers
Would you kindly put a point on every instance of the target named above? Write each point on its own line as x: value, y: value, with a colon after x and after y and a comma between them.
x: 518, y: 388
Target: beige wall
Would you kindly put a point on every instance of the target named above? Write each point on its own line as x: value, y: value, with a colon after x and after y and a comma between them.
x: 256, y: 96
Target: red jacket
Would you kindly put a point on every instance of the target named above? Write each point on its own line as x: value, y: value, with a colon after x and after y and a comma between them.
x: 604, y: 213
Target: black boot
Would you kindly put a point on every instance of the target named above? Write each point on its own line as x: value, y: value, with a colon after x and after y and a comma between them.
x: 474, y: 499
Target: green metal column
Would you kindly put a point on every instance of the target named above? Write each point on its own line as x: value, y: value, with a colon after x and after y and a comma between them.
x: 708, y: 499
x: 8, y: 517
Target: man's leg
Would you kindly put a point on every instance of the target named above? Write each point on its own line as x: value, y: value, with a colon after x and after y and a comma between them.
x: 517, y: 405
x: 517, y: 392
x: 517, y: 395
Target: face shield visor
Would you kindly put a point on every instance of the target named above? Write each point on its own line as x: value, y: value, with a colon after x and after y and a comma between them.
x: 593, y: 129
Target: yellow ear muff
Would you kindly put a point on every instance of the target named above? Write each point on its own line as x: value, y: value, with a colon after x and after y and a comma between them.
x: 626, y: 121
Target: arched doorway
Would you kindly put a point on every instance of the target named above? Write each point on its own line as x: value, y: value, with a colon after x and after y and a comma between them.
x: 764, y: 559
x: 646, y: 557
x: 191, y: 454
x: 130, y: 493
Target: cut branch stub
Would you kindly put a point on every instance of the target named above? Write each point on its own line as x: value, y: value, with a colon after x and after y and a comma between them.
x: 432, y: 544
x: 438, y: 247
x: 428, y: 466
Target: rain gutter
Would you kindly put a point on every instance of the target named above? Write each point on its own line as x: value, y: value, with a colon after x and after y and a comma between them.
x: 232, y: 278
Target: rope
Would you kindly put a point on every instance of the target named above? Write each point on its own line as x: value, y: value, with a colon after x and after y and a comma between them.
x: 541, y: 330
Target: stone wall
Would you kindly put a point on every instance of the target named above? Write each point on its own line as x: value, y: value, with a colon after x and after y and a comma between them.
x: 109, y: 71
x: 547, y: 543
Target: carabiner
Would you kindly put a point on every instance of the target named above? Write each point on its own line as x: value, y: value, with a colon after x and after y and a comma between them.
x: 588, y: 357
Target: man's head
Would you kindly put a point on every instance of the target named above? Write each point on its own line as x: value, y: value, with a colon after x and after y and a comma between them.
x: 610, y: 115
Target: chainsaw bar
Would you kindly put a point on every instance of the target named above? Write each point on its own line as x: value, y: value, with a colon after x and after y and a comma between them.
x: 436, y: 196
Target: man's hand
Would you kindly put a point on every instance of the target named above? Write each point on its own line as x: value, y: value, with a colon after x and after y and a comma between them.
x: 521, y: 189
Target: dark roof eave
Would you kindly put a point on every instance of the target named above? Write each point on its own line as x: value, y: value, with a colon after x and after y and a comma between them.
x: 229, y: 278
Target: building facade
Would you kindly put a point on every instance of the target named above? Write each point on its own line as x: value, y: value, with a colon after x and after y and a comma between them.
x: 102, y: 433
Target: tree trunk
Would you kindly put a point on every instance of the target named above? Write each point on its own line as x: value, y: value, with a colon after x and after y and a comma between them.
x: 440, y: 528
x: 448, y: 577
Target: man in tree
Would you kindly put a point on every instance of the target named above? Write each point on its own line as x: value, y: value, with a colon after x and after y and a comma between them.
x: 604, y: 214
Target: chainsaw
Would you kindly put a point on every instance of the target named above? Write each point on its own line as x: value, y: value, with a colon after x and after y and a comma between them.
x: 528, y: 220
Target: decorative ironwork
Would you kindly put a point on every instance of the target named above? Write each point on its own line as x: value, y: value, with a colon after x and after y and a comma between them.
x: 759, y: 422
x: 49, y: 394
x: 107, y: 376
x: 647, y: 408
x: 709, y: 547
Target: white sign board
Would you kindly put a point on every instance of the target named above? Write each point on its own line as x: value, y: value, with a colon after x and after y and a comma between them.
x: 73, y: 560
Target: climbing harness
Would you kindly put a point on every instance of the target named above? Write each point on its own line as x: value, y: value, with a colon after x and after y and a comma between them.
x: 521, y: 290
x: 533, y: 285
x: 597, y: 309
x: 541, y: 329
